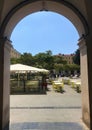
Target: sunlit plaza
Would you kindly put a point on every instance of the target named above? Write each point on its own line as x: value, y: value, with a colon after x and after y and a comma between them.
x: 47, y: 111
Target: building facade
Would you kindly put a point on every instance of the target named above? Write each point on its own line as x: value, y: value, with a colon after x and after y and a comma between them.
x: 67, y: 57
x: 14, y: 53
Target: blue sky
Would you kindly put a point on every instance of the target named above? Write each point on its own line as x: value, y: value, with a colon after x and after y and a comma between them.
x: 44, y: 31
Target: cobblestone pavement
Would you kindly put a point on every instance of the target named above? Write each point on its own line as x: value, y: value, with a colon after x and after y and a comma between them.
x: 50, y: 111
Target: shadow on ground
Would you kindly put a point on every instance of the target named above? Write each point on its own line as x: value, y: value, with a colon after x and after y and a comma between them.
x: 46, y: 126
x: 29, y: 93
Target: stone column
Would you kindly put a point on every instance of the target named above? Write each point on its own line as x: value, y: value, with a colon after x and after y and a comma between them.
x: 4, y: 83
x: 89, y: 57
x: 88, y: 5
x: 84, y: 82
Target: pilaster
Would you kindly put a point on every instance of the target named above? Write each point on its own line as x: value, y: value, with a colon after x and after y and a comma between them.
x: 84, y: 81
x: 5, y: 47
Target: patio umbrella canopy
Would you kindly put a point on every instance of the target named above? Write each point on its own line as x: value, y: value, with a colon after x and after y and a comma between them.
x: 20, y: 68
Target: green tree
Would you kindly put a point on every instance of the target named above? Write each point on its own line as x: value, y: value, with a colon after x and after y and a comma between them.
x: 44, y: 60
x: 59, y: 60
x: 14, y: 60
x: 58, y: 67
x: 27, y: 59
x: 76, y: 58
x: 72, y: 67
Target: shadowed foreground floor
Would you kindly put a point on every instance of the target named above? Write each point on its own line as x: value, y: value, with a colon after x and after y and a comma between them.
x: 46, y: 126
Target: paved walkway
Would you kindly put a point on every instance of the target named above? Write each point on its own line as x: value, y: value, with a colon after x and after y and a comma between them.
x: 51, y: 111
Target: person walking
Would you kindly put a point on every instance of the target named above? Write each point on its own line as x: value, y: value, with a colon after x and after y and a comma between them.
x: 44, y: 83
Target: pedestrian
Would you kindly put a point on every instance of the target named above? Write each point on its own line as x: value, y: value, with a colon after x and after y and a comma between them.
x: 44, y: 83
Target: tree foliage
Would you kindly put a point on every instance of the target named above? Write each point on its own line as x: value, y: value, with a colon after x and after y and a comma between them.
x: 44, y: 60
x: 67, y: 67
x: 47, y: 61
x: 13, y: 60
x: 25, y: 58
x: 76, y: 58
x: 59, y: 60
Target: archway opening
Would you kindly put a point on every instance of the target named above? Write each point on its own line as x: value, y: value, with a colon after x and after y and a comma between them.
x: 45, y: 29
x: 13, y: 17
x: 46, y: 104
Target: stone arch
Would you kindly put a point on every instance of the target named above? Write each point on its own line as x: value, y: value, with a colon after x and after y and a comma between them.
x: 13, y: 17
x: 27, y: 7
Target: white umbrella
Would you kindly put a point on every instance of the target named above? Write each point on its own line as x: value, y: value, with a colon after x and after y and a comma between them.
x: 20, y: 68
x: 44, y: 70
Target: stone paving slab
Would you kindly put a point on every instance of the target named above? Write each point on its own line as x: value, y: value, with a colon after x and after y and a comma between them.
x: 52, y: 111
x: 45, y: 115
